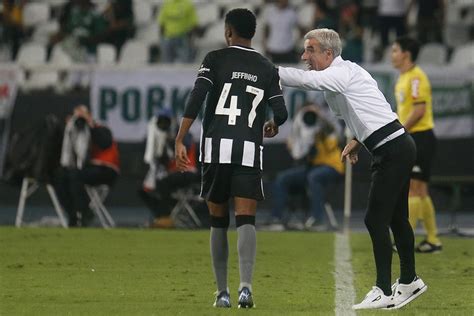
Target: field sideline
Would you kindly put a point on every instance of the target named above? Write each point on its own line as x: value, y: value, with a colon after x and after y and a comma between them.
x: 50, y: 271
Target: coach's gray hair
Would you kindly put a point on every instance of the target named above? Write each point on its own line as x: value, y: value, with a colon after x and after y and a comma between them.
x: 328, y: 39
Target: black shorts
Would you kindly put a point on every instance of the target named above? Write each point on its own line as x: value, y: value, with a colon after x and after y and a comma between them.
x: 223, y: 181
x: 425, y: 150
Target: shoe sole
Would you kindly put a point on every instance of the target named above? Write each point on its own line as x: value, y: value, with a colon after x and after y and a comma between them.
x: 246, y: 306
x: 411, y: 298
x: 429, y: 251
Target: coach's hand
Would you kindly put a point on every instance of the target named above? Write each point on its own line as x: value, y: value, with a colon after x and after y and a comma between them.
x: 181, y: 156
x: 270, y: 129
x: 351, y: 151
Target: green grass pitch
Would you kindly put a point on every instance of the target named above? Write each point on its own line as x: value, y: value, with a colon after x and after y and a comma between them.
x: 46, y: 271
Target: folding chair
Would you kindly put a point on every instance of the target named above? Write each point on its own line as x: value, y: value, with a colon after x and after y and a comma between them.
x: 28, y: 187
x: 184, y: 198
x: 97, y: 195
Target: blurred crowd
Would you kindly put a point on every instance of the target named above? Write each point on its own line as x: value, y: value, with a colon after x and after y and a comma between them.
x: 183, y: 30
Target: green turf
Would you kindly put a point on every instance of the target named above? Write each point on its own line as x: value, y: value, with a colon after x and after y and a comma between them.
x: 449, y: 276
x: 144, y: 272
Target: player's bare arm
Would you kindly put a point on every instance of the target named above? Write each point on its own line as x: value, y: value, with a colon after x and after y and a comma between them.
x: 181, y: 155
x: 416, y: 115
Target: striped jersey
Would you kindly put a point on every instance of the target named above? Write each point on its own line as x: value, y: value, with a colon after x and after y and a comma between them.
x: 240, y: 84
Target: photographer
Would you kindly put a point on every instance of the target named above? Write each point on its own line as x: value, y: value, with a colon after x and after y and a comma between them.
x: 162, y: 178
x: 314, y: 144
x: 89, y: 156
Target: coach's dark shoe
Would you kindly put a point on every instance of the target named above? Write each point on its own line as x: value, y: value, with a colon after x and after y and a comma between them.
x: 222, y: 300
x: 245, y: 298
x: 427, y: 247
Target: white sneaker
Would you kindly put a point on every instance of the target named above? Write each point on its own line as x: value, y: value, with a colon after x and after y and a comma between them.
x: 273, y: 227
x: 405, y: 293
x: 374, y: 299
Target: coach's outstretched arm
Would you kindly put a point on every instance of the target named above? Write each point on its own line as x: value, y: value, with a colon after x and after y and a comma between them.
x: 334, y: 78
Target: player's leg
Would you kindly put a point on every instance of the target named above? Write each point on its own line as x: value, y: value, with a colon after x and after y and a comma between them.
x: 215, y: 189
x: 426, y: 144
x: 247, y: 189
x: 245, y: 210
x: 414, y: 205
x: 220, y: 250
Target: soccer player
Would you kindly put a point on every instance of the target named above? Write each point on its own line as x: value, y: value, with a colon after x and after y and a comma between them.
x: 239, y: 84
x: 353, y: 94
x: 414, y: 107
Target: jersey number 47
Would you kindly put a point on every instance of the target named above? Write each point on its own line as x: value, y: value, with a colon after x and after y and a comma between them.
x: 233, y: 111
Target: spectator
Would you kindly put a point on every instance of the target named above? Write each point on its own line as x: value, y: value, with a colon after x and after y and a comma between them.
x: 177, y: 21
x: 79, y: 25
x: 281, y: 20
x: 118, y: 17
x: 430, y: 20
x: 312, y: 140
x: 323, y: 17
x: 369, y: 14
x: 351, y: 32
x: 162, y: 179
x: 12, y: 18
x: 89, y: 156
x: 391, y: 16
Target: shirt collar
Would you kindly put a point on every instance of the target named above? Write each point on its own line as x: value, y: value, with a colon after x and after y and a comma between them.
x: 242, y: 47
x: 337, y: 61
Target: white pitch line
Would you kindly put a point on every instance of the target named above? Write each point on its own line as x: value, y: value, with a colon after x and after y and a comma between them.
x: 344, y: 279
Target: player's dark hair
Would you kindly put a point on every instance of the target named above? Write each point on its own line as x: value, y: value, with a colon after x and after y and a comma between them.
x: 408, y: 44
x: 243, y: 21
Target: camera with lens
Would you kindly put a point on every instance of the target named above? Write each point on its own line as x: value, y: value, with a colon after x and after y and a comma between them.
x: 310, y: 118
x: 80, y: 123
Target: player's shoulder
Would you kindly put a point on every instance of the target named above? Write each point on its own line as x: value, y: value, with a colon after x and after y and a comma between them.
x: 244, y: 54
x: 417, y: 72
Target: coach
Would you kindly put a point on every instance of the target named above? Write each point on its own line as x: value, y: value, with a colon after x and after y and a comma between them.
x: 353, y: 95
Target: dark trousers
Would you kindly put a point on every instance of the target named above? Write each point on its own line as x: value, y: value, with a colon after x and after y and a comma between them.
x: 388, y: 209
x: 160, y: 201
x: 386, y: 23
x: 72, y: 193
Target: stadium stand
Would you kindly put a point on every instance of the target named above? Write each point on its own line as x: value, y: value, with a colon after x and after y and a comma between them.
x: 134, y: 53
x: 433, y: 54
x: 463, y: 56
x: 42, y: 18
x: 35, y: 13
x: 106, y: 55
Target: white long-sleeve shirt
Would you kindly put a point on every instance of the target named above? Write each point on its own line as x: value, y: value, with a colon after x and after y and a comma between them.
x: 351, y: 93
